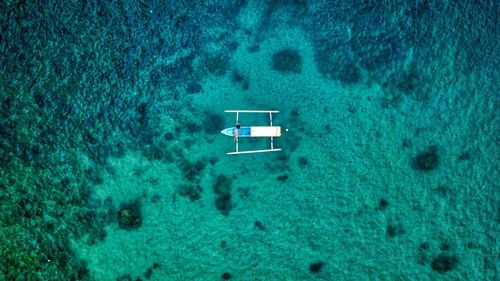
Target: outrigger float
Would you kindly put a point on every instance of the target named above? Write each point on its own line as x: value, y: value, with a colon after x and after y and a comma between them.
x: 253, y: 131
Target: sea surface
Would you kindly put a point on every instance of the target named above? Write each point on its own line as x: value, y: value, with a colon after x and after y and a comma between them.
x: 113, y: 166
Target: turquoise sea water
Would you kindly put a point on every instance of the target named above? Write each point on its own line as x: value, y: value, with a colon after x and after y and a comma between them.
x: 113, y: 166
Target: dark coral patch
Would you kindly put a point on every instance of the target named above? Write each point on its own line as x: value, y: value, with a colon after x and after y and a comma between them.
x: 349, y: 74
x: 464, y: 156
x: 382, y: 204
x: 427, y: 160
x: 217, y: 64
x: 224, y: 204
x: 444, y: 263
x: 316, y: 267
x: 193, y: 87
x: 282, y: 178
x: 222, y: 185
x: 259, y: 225
x: 287, y: 61
x: 240, y: 79
x: 394, y: 230
x: 130, y: 216
x: 192, y: 191
x: 253, y: 49
x: 213, y: 122
x: 302, y: 161
x: 191, y: 171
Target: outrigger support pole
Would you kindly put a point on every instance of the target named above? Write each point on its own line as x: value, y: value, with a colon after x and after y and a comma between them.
x: 271, y: 121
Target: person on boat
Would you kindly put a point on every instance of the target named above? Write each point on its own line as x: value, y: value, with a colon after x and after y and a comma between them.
x: 236, y: 131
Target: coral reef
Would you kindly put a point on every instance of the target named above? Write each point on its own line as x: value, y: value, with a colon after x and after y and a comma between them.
x: 130, y: 215
x: 443, y: 263
x: 222, y: 188
x: 287, y: 61
x: 427, y: 160
x: 192, y: 191
x: 316, y: 267
x: 394, y: 230
x: 87, y: 81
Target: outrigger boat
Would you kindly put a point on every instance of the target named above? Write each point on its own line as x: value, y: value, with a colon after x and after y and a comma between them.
x: 253, y: 131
